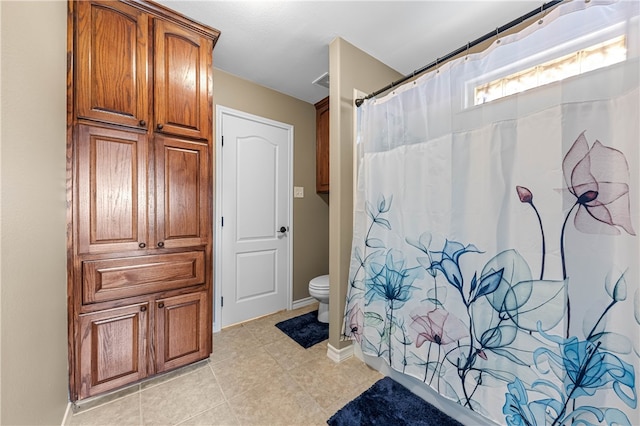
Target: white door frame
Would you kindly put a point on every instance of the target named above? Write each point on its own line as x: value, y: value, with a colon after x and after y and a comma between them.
x: 217, y: 260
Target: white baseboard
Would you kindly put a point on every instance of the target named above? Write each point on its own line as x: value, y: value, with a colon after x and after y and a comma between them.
x: 67, y: 414
x: 303, y: 302
x: 339, y: 355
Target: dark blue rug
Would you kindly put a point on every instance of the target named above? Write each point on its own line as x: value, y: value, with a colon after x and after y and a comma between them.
x: 387, y: 402
x: 305, y: 329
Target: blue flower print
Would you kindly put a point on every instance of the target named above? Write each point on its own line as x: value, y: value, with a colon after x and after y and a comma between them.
x: 449, y: 261
x: 516, y: 409
x: 391, y: 282
x: 588, y: 368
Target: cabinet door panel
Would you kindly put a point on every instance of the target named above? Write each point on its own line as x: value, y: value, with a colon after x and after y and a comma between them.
x: 182, y: 334
x: 112, y: 190
x: 182, y: 193
x: 112, y: 349
x: 182, y: 81
x: 322, y: 146
x: 112, y: 55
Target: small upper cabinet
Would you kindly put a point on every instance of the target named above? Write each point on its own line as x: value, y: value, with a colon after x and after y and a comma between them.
x: 183, y: 60
x: 322, y: 146
x: 111, y: 67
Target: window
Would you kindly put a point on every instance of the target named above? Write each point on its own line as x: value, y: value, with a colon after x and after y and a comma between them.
x: 597, y: 56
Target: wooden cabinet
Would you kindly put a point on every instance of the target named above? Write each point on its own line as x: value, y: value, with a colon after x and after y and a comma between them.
x: 119, y: 278
x: 182, y: 77
x: 111, y: 182
x: 322, y: 146
x: 140, y: 197
x: 181, y: 330
x: 112, y: 348
x: 111, y: 53
x: 183, y: 188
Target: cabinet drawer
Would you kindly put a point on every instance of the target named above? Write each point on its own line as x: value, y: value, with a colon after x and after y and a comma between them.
x: 110, y: 279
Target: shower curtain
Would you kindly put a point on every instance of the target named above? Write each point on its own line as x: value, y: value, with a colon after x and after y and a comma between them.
x: 495, y: 255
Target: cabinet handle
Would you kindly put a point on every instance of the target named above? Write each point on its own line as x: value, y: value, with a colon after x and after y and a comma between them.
x: 143, y: 308
x: 161, y: 305
x: 160, y: 126
x: 142, y: 245
x: 161, y: 244
x: 143, y: 123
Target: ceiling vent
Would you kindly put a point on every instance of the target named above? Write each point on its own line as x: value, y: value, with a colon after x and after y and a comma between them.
x: 323, y: 80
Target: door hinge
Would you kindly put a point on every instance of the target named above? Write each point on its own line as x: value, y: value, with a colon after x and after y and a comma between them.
x: 222, y: 221
x: 221, y: 301
x: 222, y: 140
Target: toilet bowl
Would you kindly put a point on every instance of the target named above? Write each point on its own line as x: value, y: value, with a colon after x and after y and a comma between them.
x: 319, y: 289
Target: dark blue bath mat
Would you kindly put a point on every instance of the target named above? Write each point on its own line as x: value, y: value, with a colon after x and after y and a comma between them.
x: 387, y: 402
x: 305, y: 329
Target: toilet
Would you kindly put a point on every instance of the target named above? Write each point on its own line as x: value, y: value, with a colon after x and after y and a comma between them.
x: 319, y: 289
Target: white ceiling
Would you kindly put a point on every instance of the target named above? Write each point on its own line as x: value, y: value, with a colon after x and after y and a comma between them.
x: 284, y: 45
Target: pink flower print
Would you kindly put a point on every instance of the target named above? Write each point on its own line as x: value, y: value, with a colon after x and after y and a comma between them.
x: 599, y: 179
x: 524, y: 194
x: 356, y: 324
x: 438, y: 326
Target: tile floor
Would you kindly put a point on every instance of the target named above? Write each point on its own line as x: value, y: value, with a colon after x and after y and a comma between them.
x: 255, y: 376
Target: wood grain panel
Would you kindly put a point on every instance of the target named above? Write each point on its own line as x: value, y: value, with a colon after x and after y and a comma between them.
x: 181, y: 330
x: 112, y: 348
x: 111, y: 279
x: 322, y: 146
x: 112, y: 75
x: 182, y: 200
x: 112, y: 190
x: 182, y: 75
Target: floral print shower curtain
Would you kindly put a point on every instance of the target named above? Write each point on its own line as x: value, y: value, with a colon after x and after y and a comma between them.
x: 495, y: 253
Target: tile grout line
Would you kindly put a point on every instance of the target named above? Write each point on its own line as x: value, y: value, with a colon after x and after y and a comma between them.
x: 226, y: 400
x: 140, y: 415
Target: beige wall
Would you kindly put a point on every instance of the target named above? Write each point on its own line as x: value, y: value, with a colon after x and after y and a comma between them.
x: 350, y: 68
x: 32, y: 233
x: 311, y: 213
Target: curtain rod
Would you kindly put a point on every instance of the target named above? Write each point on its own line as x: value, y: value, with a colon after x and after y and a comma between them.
x: 468, y: 46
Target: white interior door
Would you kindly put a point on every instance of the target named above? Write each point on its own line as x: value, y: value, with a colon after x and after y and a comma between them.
x: 254, y: 187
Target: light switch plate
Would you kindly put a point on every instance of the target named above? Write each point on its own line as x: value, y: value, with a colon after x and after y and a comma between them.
x: 298, y: 192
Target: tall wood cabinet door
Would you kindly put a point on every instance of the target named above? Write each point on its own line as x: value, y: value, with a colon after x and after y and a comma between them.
x: 183, y: 199
x: 112, y: 349
x: 112, y: 63
x: 182, y: 332
x: 322, y: 146
x: 112, y: 190
x: 182, y: 98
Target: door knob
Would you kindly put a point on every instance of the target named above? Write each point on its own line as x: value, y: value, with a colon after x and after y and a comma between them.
x: 283, y: 229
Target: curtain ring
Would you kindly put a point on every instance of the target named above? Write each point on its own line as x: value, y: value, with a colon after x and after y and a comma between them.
x: 437, y: 70
x: 544, y: 12
x: 466, y: 56
x: 497, y: 35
